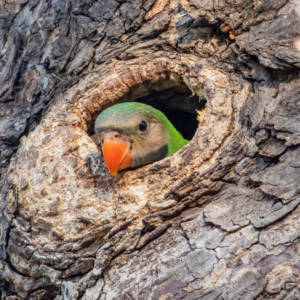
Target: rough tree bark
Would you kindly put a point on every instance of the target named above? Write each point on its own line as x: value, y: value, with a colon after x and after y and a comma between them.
x: 218, y: 220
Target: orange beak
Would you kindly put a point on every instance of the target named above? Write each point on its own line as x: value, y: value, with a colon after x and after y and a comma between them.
x: 116, y: 155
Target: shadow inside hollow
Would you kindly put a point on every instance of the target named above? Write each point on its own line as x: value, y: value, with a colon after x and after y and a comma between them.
x: 179, y: 106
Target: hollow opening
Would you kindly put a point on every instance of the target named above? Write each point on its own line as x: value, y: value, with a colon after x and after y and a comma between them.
x: 174, y: 99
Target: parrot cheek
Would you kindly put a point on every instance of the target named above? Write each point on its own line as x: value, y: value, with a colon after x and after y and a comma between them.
x: 114, y: 153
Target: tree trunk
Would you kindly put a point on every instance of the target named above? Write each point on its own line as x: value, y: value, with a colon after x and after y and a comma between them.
x: 217, y: 220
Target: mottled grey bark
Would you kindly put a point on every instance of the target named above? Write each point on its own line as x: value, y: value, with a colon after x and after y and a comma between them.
x: 217, y: 220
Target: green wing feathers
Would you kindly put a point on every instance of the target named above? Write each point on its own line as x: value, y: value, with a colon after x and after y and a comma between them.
x: 176, y: 141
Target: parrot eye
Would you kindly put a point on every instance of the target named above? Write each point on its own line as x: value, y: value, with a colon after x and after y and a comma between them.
x: 142, y: 126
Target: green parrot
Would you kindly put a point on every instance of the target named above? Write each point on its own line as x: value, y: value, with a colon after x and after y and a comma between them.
x: 134, y: 134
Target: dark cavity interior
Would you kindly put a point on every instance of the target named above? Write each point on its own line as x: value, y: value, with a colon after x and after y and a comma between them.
x: 179, y: 106
x: 177, y: 103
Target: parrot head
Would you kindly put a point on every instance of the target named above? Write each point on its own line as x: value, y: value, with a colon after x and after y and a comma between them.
x: 131, y: 135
